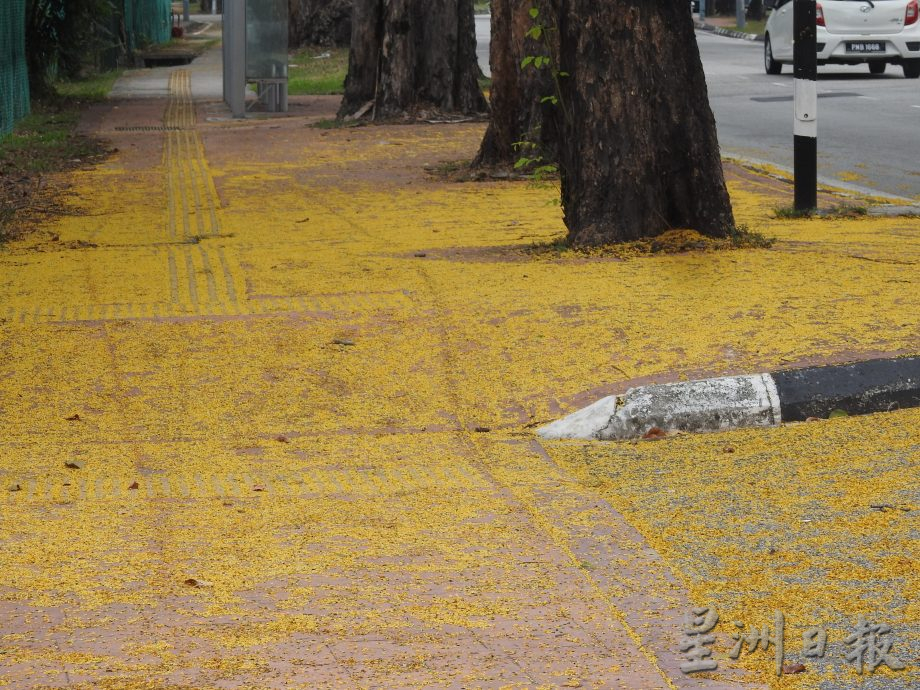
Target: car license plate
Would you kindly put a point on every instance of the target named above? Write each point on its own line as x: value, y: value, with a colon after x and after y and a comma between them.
x: 865, y: 47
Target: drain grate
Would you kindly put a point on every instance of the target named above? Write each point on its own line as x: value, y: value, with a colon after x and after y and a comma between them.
x: 149, y: 128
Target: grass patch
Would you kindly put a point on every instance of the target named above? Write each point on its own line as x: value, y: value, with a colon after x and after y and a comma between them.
x: 752, y: 26
x: 317, y: 71
x: 337, y: 124
x: 193, y: 46
x: 670, y: 242
x: 836, y: 212
x: 45, y: 142
x: 197, y: 44
x: 742, y: 237
x: 194, y: 7
x: 789, y: 212
x: 41, y: 142
x: 91, y: 89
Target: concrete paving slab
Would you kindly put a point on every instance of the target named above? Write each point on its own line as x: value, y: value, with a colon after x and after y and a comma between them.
x: 261, y: 441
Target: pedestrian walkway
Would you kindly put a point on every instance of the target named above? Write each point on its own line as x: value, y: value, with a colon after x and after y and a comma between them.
x: 267, y: 407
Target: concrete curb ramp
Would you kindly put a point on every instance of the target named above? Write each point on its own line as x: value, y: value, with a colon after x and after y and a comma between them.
x: 759, y: 400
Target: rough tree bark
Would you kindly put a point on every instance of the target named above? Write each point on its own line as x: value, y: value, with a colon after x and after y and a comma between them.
x: 319, y: 22
x: 639, y: 153
x: 517, y: 115
x: 412, y: 56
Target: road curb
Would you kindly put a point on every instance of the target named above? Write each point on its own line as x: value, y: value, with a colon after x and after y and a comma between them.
x: 758, y: 400
x: 719, y: 31
x: 894, y: 211
x: 826, y: 184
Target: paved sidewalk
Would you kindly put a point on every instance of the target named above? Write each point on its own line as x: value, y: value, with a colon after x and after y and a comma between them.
x: 267, y: 407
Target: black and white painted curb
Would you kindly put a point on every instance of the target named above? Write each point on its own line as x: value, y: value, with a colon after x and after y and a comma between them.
x: 728, y: 33
x: 759, y: 400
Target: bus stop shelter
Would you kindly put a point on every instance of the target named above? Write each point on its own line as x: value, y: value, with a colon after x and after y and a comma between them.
x: 255, y: 51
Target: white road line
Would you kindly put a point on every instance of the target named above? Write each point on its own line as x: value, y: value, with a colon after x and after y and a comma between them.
x: 867, y: 98
x: 915, y: 106
x: 780, y: 83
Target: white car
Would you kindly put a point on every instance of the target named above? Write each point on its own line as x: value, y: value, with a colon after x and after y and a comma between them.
x: 850, y: 32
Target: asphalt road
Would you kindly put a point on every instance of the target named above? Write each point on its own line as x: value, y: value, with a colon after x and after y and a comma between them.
x: 868, y: 126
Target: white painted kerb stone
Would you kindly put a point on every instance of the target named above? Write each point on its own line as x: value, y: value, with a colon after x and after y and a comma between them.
x: 730, y: 402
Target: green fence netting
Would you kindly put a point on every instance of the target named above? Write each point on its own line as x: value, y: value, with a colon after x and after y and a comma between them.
x: 139, y: 22
x: 146, y: 22
x: 14, y: 78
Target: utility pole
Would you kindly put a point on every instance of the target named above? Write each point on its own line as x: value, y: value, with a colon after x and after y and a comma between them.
x: 702, y: 10
x: 185, y: 11
x: 805, y: 71
x: 739, y: 14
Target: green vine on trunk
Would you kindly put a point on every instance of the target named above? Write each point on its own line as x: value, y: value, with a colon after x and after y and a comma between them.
x: 531, y: 158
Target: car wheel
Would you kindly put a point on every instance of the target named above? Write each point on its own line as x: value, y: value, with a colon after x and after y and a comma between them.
x: 769, y: 64
x: 877, y: 67
x: 911, y: 69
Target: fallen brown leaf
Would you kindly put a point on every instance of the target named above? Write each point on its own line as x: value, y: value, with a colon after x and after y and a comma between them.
x: 195, y: 582
x: 282, y: 439
x: 258, y: 487
x: 789, y: 669
x: 73, y: 465
x: 73, y: 418
x: 134, y: 486
x: 655, y: 433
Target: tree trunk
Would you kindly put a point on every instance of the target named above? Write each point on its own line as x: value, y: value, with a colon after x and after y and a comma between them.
x: 410, y: 57
x: 755, y: 10
x: 319, y: 22
x: 725, y: 7
x: 639, y: 153
x: 517, y: 112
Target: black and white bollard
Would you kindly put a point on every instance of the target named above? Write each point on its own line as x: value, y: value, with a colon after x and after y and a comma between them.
x: 805, y: 71
x: 733, y: 402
